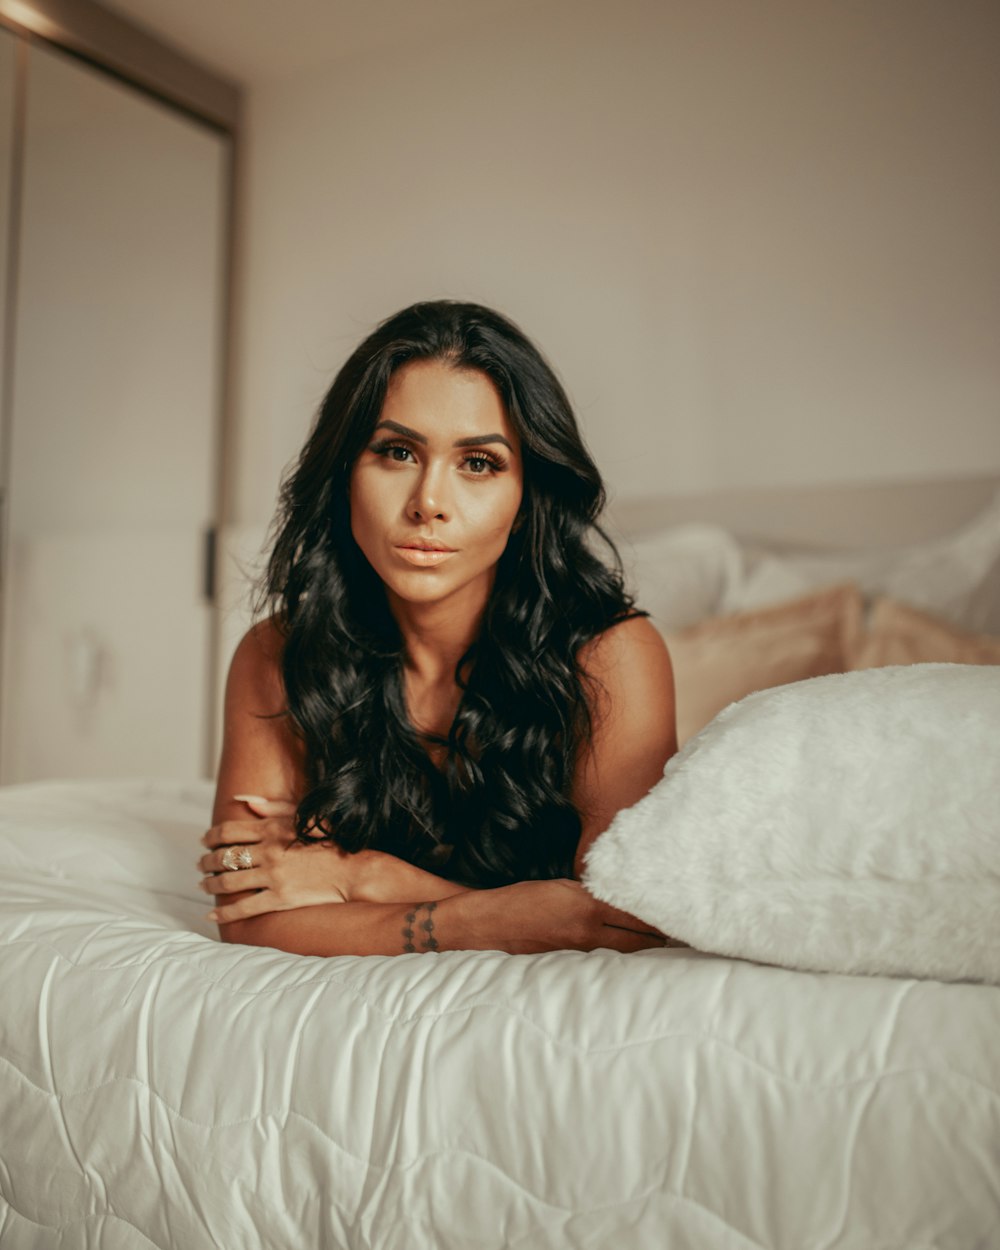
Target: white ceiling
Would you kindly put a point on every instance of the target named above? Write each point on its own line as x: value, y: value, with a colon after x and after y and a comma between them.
x: 253, y: 41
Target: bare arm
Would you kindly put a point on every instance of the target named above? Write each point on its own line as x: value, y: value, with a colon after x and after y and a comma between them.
x: 525, y: 918
x: 263, y: 756
x: 633, y: 725
x: 286, y: 873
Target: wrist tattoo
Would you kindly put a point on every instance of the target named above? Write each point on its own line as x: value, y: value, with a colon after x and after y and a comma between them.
x: 421, y: 927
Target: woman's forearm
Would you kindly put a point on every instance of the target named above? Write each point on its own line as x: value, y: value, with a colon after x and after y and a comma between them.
x: 359, y: 928
x: 326, y: 929
x: 378, y: 877
x: 526, y: 918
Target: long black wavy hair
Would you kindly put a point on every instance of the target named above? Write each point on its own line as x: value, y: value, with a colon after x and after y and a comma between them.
x: 498, y: 810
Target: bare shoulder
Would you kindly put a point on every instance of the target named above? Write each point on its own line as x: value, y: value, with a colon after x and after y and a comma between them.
x: 631, y: 685
x: 261, y: 751
x: 633, y: 730
x: 255, y: 669
x: 631, y: 652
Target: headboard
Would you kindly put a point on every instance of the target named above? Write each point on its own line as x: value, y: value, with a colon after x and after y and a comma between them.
x: 869, y: 515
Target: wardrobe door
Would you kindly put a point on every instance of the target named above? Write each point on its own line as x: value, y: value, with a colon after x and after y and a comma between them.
x: 8, y: 56
x: 114, y: 427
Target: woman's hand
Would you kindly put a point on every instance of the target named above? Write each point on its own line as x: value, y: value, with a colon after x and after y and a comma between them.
x: 605, y: 927
x: 275, y: 822
x: 384, y: 878
x: 561, y: 914
x: 286, y: 874
x: 278, y: 874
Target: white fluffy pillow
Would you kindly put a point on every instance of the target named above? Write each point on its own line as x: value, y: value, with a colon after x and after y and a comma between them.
x: 848, y: 823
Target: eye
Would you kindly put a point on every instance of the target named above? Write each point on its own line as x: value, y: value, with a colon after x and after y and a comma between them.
x: 482, y: 464
x: 397, y: 453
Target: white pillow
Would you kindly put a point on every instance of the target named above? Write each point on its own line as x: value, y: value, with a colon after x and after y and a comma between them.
x: 848, y: 823
x: 956, y: 577
x: 681, y: 575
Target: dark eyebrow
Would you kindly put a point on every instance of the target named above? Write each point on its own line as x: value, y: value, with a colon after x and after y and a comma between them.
x: 459, y: 442
x: 401, y: 429
x: 479, y: 442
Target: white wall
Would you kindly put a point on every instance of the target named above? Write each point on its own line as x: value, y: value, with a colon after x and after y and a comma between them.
x: 758, y: 238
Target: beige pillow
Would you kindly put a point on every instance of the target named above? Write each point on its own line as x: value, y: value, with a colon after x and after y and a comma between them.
x: 955, y: 577
x: 723, y: 659
x: 899, y: 634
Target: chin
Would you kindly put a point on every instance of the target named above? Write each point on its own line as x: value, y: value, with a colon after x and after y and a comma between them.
x: 424, y: 588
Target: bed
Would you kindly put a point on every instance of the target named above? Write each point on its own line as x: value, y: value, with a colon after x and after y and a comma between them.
x: 160, y: 1089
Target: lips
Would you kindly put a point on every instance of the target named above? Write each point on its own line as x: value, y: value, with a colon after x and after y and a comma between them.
x: 425, y: 544
x: 425, y: 553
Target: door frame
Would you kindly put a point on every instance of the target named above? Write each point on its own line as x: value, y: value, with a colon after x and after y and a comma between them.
x: 111, y: 44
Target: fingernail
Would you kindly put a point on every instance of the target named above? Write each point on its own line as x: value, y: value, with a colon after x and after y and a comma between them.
x: 211, y: 915
x: 249, y: 798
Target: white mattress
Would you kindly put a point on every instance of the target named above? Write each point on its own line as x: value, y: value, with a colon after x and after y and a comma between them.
x: 160, y: 1089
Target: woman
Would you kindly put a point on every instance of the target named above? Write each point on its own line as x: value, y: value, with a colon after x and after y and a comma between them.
x: 453, y: 695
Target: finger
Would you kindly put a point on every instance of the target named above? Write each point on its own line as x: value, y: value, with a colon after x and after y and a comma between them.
x: 266, y: 807
x: 234, y: 882
x: 253, y: 905
x: 618, y: 919
x: 216, y: 861
x: 636, y: 928
x: 233, y: 832
x: 628, y: 940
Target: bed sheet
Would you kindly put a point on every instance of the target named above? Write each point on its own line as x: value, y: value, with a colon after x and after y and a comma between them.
x: 158, y: 1088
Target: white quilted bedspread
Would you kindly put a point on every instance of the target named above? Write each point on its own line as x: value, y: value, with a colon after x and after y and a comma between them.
x: 160, y: 1089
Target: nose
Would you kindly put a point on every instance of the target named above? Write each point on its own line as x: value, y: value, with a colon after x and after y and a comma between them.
x: 428, y: 501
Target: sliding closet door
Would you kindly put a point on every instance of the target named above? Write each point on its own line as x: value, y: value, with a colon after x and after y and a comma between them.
x: 8, y: 60
x: 9, y: 46
x: 113, y: 432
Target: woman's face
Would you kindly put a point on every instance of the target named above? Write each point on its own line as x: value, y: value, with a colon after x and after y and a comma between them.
x: 436, y: 491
